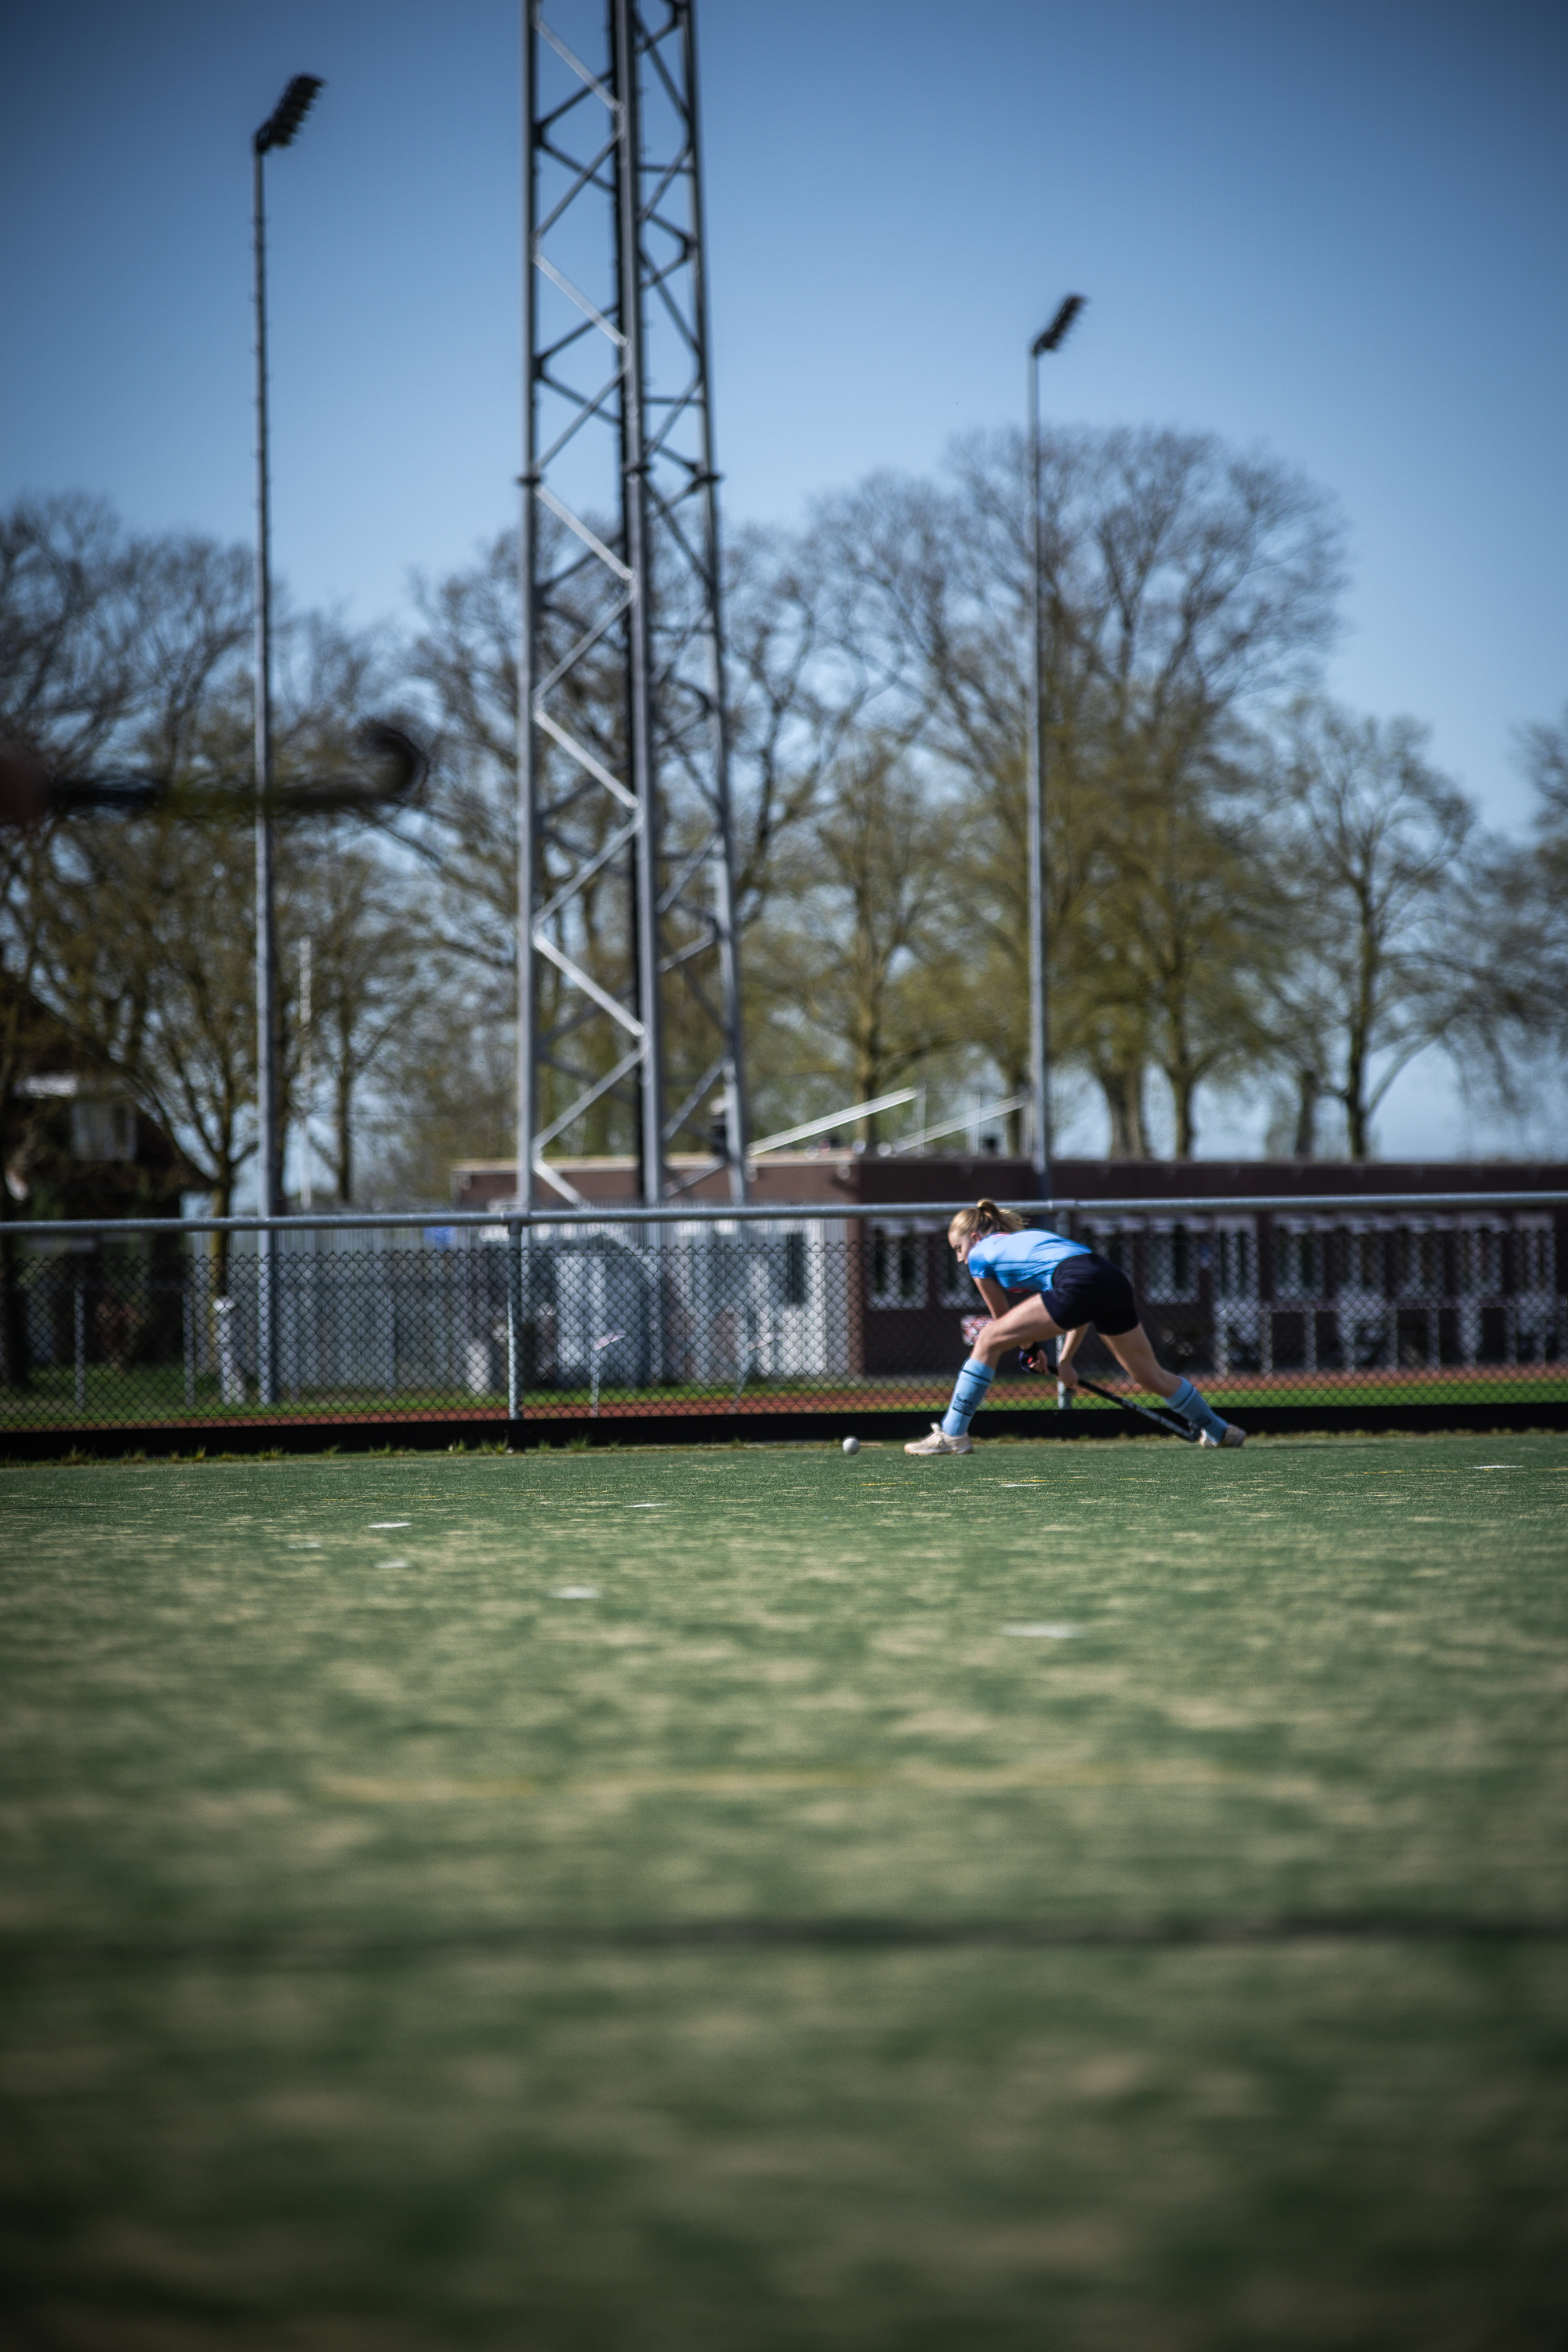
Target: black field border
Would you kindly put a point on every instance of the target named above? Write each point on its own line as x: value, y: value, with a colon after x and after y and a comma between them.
x: 162, y: 1439
x: 569, y: 1939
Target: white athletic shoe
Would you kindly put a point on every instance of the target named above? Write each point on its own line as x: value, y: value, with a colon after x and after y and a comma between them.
x: 1233, y: 1436
x: 939, y: 1442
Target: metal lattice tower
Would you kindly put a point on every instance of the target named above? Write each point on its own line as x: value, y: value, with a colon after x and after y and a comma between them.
x: 629, y: 1016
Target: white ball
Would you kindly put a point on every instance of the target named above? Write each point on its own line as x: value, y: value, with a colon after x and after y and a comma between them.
x: 852, y: 1445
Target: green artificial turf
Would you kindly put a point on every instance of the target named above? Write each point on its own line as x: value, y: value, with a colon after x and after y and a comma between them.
x: 292, y: 1803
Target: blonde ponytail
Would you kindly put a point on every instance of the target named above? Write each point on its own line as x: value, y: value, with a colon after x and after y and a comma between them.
x: 985, y: 1217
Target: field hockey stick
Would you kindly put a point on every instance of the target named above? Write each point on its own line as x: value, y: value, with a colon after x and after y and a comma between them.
x: 1149, y: 1413
x: 1173, y: 1428
x: 395, y: 770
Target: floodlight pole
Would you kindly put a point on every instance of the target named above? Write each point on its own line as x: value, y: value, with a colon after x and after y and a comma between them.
x: 278, y: 131
x: 1050, y: 339
x: 266, y: 930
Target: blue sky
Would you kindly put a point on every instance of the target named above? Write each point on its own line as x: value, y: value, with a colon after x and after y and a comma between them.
x: 1334, y: 230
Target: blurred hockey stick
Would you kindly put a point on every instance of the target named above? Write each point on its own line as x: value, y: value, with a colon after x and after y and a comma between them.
x: 1030, y: 1357
x: 30, y: 790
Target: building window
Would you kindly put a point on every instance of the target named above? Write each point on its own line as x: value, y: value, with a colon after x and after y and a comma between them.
x: 1534, y: 1257
x: 897, y: 1267
x: 1364, y: 1263
x: 1421, y: 1265
x: 1295, y: 1263
x: 1115, y: 1247
x: 957, y: 1282
x: 1235, y: 1263
x: 102, y: 1128
x: 1170, y: 1262
x: 793, y: 1283
x: 1480, y: 1261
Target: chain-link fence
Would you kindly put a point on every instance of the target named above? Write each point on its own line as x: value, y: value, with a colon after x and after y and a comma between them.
x: 546, y: 1324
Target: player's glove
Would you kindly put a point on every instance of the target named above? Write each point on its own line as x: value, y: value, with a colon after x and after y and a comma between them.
x: 1035, y: 1359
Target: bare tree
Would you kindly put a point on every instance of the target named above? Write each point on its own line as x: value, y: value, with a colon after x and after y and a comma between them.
x: 1184, y: 584
x: 1537, y: 886
x: 1371, y: 845
x: 854, y: 975
x: 68, y: 682
x: 372, y: 973
x: 148, y: 920
x: 139, y: 929
x: 1509, y: 1030
x: 150, y: 956
x: 1544, y: 752
x: 1183, y: 578
x: 797, y: 696
x: 70, y: 676
x: 445, y: 1090
x: 793, y: 698
x: 1176, y: 939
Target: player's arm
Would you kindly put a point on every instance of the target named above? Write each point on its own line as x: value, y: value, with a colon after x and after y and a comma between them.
x: 993, y: 1295
x: 1067, y: 1348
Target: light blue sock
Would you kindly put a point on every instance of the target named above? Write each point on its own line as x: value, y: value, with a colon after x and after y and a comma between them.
x: 1197, y: 1410
x: 968, y: 1396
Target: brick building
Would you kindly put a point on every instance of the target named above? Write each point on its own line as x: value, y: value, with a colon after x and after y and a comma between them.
x: 1352, y: 1284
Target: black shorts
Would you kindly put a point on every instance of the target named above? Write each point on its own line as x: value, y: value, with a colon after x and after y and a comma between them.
x: 1090, y: 1289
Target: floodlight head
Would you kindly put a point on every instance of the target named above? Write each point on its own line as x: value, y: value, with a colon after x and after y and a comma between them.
x: 1056, y: 334
x: 290, y: 110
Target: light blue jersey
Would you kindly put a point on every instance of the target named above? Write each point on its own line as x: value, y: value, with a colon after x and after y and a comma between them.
x: 1025, y: 1261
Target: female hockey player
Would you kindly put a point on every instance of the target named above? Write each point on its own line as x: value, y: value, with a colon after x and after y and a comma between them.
x: 1040, y: 1286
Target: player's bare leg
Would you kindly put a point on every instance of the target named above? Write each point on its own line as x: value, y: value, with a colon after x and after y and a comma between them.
x: 1027, y: 1325
x: 1138, y: 1360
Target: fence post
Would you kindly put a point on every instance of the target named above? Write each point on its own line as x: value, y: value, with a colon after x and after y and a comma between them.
x: 231, y: 1379
x: 266, y: 1323
x: 390, y: 1256
x: 81, y: 1336
x: 514, y: 1234
x: 657, y: 1248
